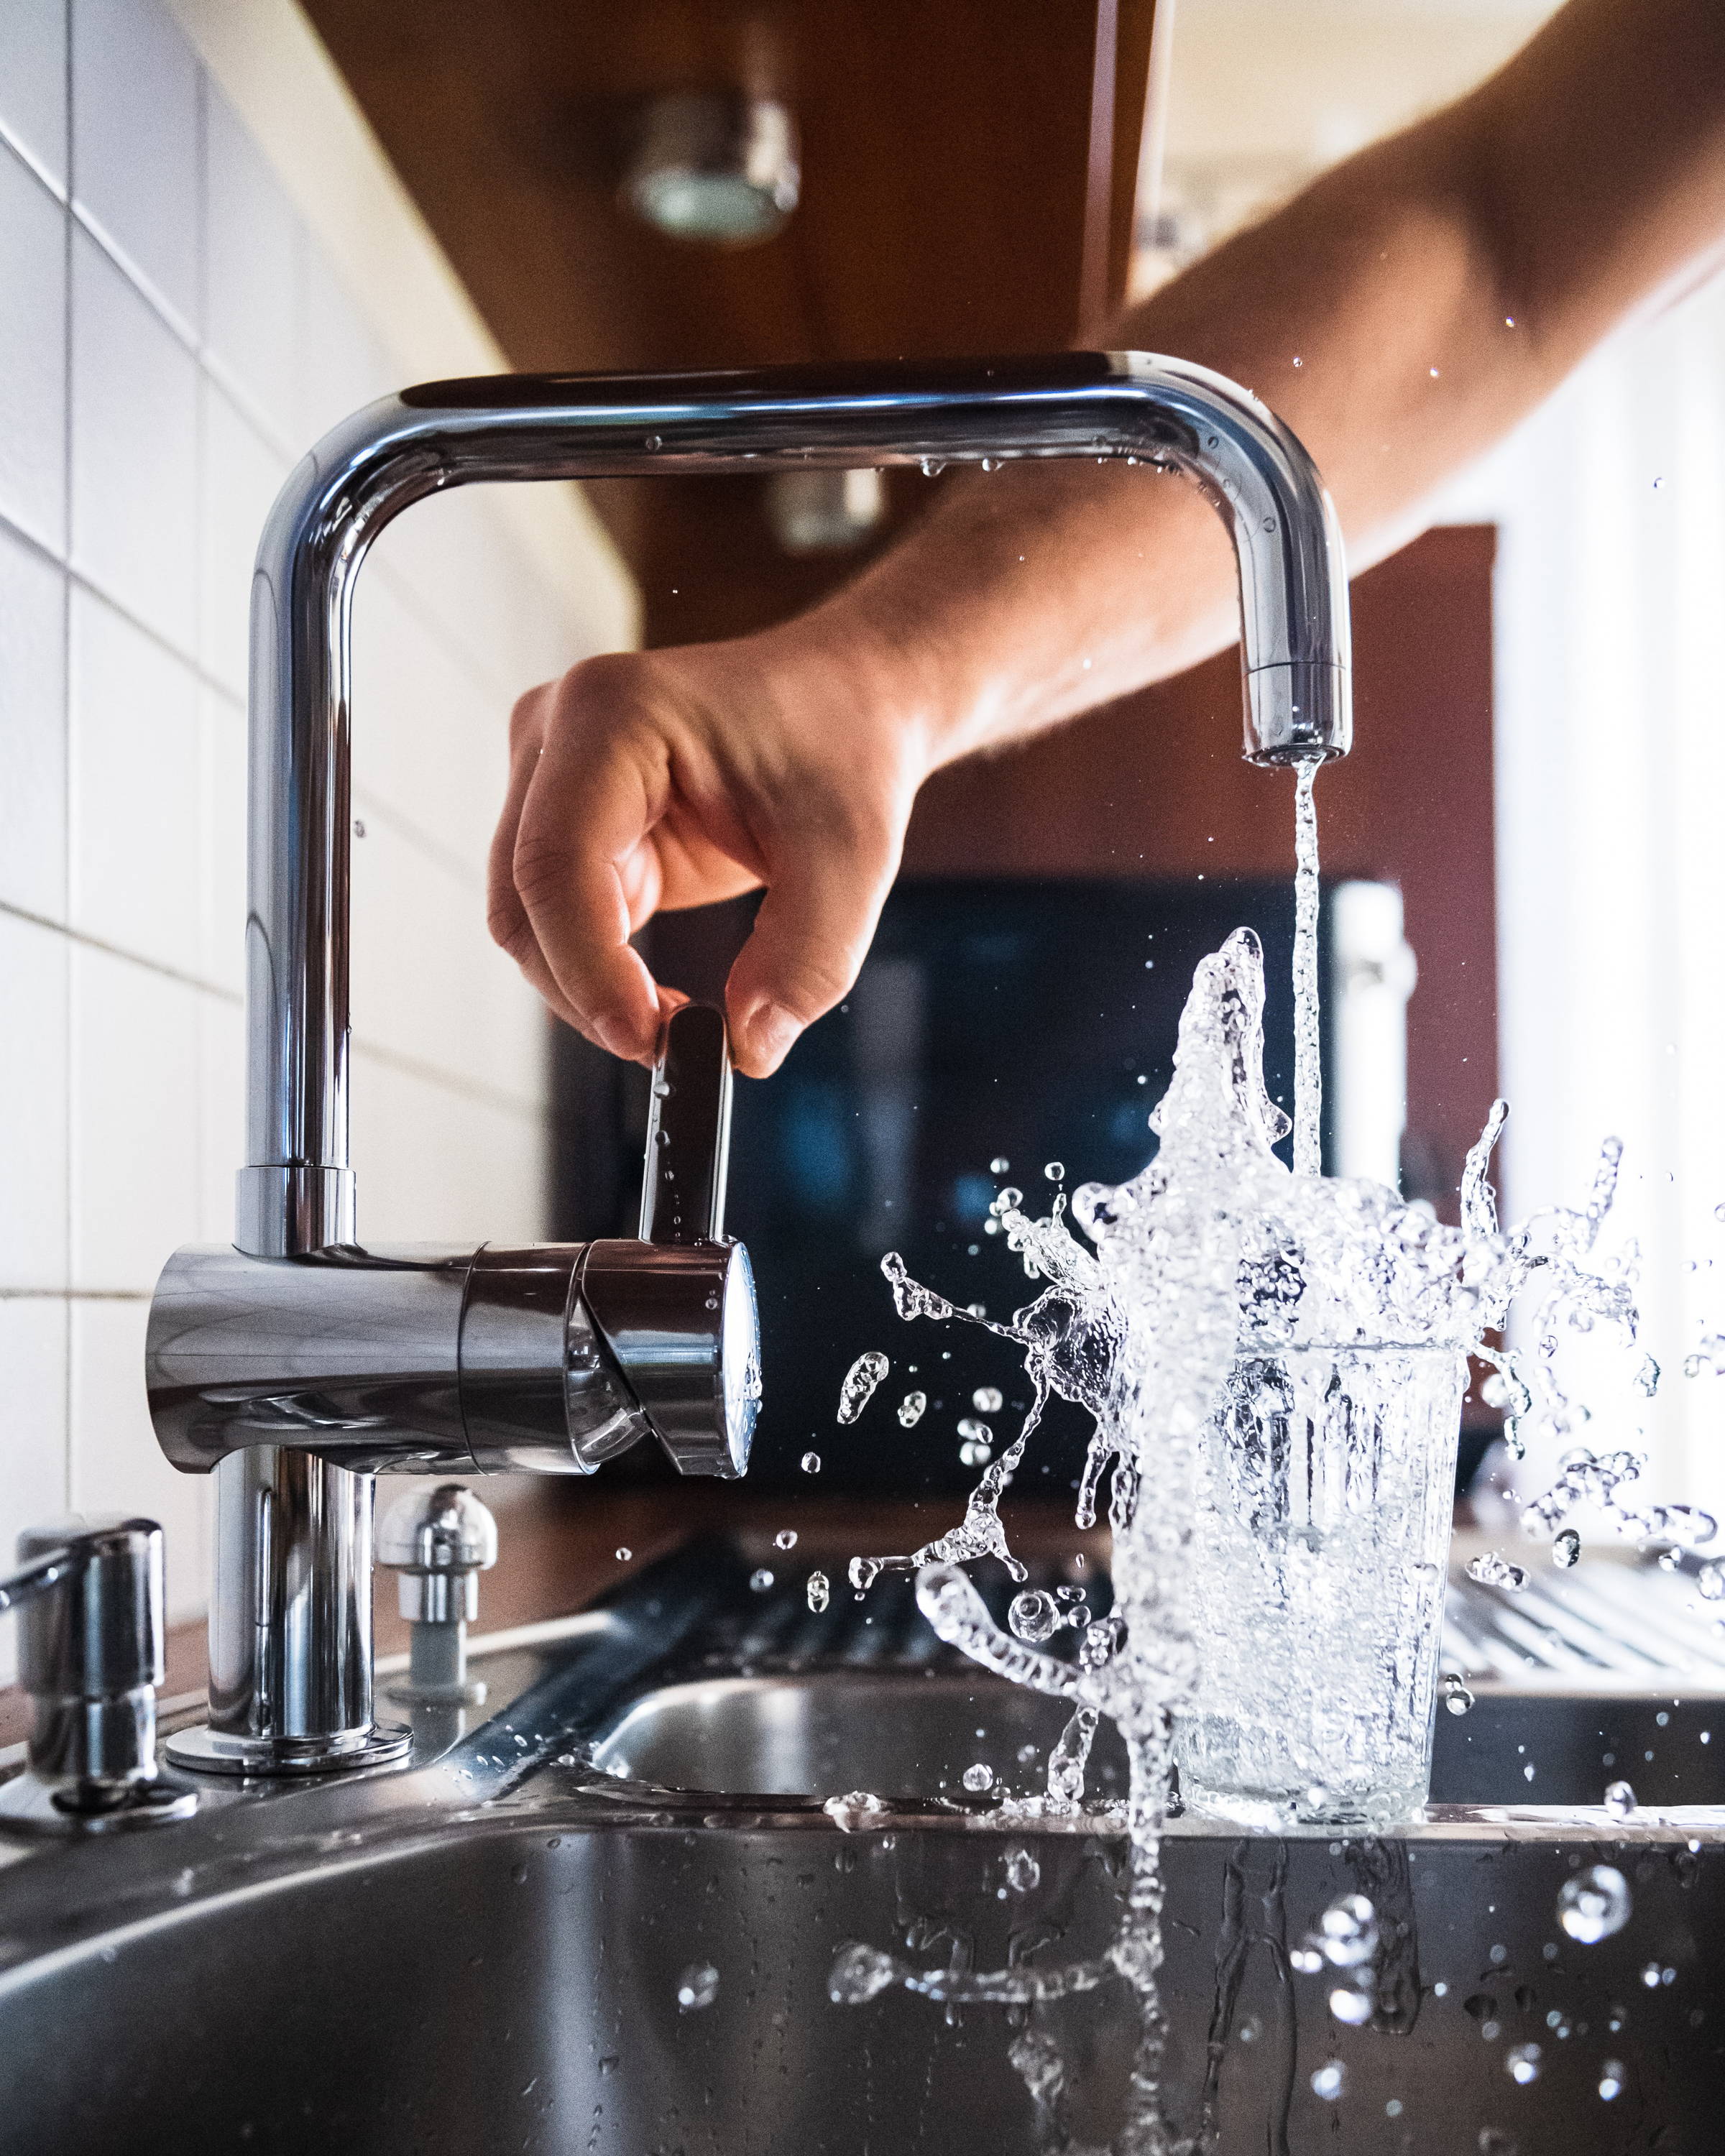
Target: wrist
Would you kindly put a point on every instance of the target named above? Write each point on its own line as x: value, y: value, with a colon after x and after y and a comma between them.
x: 893, y: 657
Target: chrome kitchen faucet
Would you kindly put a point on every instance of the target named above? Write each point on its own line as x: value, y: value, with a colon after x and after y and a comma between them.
x: 296, y: 1362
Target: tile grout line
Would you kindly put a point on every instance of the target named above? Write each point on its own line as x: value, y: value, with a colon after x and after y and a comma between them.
x: 431, y: 1074
x: 76, y: 1294
x: 89, y: 942
x: 67, y: 1176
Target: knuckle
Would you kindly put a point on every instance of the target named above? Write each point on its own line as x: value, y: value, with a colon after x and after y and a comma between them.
x: 541, y: 873
x: 814, y: 982
x: 508, y: 925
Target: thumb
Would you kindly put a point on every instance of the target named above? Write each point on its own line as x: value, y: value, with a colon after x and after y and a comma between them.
x: 825, y: 888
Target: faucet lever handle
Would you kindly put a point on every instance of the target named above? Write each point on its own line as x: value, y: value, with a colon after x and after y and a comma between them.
x: 688, y: 1129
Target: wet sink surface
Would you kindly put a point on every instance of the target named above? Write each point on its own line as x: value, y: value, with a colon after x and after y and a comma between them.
x: 487, y: 1953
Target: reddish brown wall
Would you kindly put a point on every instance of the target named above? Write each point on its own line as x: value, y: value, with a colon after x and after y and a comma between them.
x: 1155, y: 785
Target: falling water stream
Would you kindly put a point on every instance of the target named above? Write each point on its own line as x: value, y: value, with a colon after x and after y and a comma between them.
x: 1224, y: 1301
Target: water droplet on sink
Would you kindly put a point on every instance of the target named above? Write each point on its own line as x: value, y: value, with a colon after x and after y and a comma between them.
x: 858, y: 1974
x: 1594, y: 1904
x: 1620, y: 1800
x: 697, y: 1987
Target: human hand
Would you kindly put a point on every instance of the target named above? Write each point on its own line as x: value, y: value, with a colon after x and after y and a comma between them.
x: 674, y: 778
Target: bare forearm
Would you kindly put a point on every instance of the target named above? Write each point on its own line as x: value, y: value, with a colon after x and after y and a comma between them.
x: 1401, y: 316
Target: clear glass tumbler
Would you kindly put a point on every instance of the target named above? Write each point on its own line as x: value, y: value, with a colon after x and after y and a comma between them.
x: 1326, y: 1486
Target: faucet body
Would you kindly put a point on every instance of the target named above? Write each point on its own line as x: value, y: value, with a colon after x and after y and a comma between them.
x: 296, y: 1364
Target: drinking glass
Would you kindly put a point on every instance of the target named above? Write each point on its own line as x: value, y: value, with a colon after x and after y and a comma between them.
x: 1326, y: 1486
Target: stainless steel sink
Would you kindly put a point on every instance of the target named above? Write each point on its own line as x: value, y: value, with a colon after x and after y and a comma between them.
x: 483, y: 1951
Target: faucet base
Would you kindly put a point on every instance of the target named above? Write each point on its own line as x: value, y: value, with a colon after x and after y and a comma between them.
x: 202, y: 1750
x: 33, y: 1802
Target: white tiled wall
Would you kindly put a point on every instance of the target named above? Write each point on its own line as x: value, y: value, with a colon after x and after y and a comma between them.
x: 172, y: 336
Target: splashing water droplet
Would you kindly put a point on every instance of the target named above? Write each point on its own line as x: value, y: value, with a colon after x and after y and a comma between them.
x: 987, y: 1400
x: 1566, y: 1549
x: 1611, y: 2080
x: 623, y: 1553
x: 1353, y: 2007
x: 1329, y: 2080
x: 785, y: 1539
x: 864, y: 1570
x: 1710, y: 1583
x: 1347, y: 1932
x: 1520, y: 2062
x: 1620, y: 1800
x: 760, y: 1581
x: 697, y: 1987
x: 857, y: 1810
x: 999, y: 1164
x: 1054, y: 1170
x: 861, y: 1381
x: 819, y: 1591
x: 1023, y: 1871
x: 977, y: 1777
x: 1491, y: 1570
x: 970, y: 1427
x: 1647, y: 1377
x: 912, y: 1408
x: 1457, y: 1698
x: 811, y: 1463
x: 1034, y: 1615
x: 974, y: 1453
x: 1594, y: 1904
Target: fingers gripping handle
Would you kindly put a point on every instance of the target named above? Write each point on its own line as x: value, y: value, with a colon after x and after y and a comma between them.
x: 688, y: 1129
x: 676, y: 1308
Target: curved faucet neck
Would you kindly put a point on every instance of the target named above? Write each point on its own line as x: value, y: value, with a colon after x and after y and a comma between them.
x: 296, y: 1192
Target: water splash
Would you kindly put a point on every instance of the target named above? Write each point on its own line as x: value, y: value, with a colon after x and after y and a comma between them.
x: 1228, y: 1310
x: 861, y: 1380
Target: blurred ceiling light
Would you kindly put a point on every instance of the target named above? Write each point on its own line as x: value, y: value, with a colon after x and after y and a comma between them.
x: 824, y: 512
x: 719, y: 166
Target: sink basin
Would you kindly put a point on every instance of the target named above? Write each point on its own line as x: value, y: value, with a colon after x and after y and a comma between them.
x: 485, y: 1951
